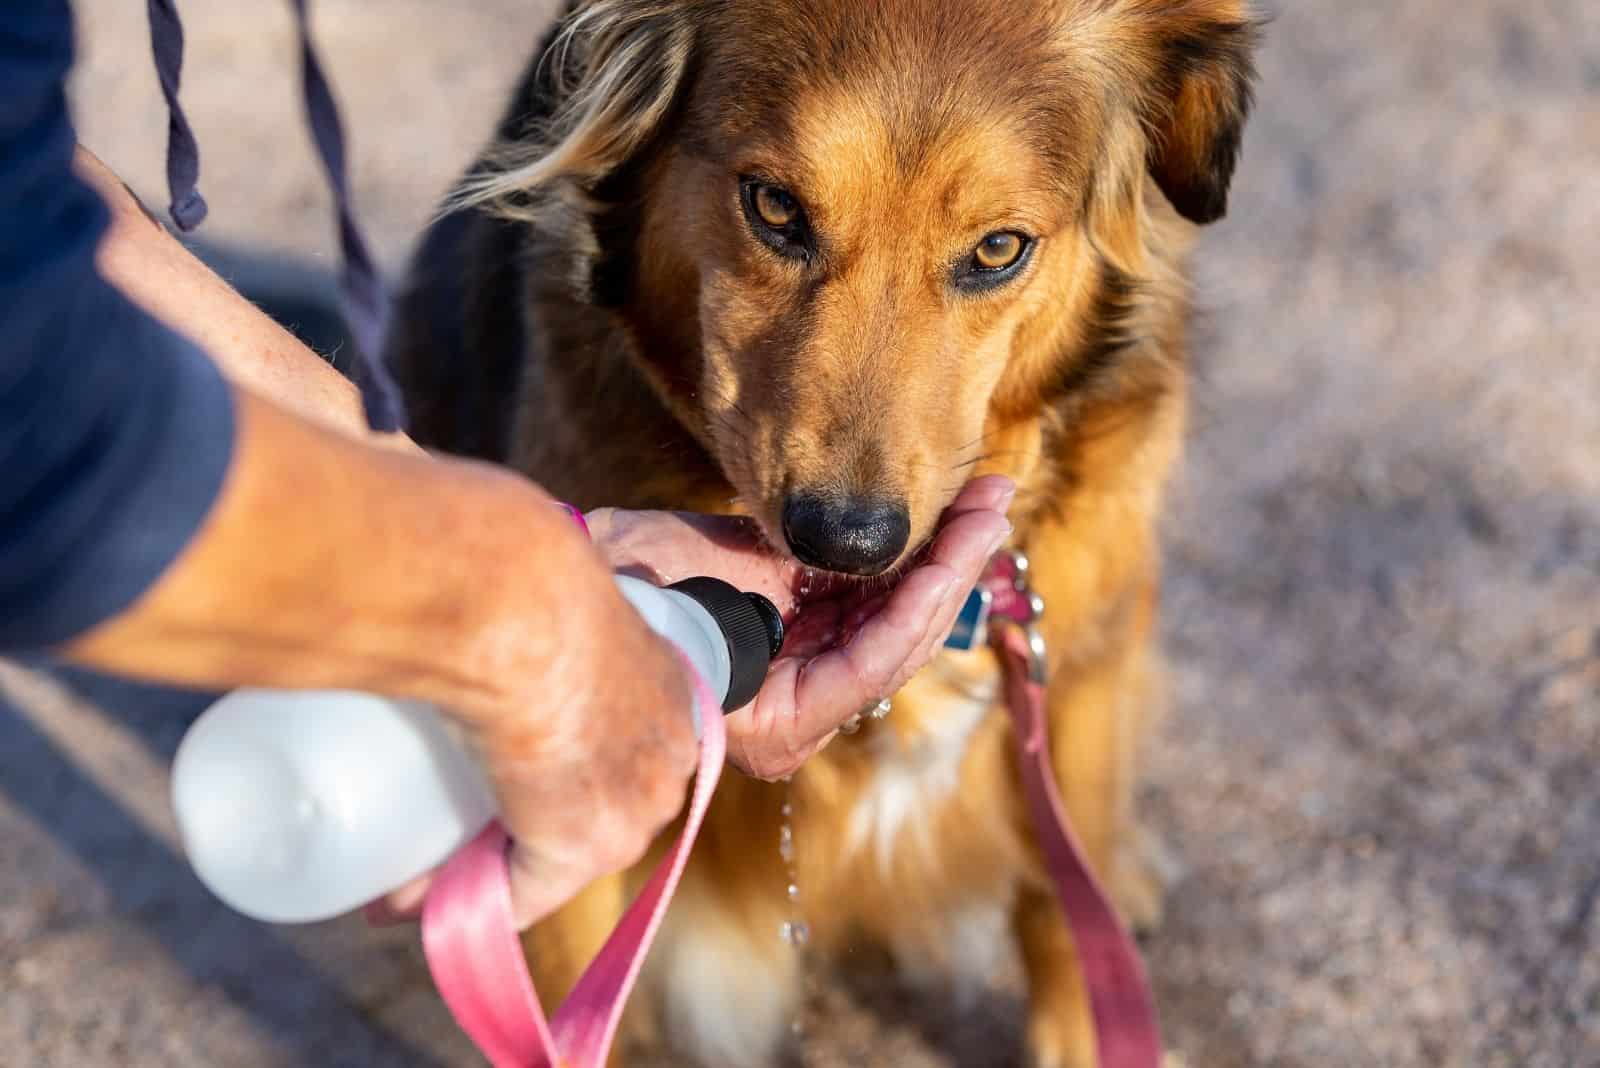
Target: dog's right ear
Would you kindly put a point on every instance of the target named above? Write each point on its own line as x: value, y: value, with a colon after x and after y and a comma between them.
x: 613, y: 72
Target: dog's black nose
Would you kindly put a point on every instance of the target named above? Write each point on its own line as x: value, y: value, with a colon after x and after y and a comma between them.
x: 856, y: 537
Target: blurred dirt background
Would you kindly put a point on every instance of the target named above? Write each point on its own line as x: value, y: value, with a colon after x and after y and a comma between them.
x: 1379, y: 784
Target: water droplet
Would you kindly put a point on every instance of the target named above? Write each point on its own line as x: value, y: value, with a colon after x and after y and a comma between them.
x: 808, y: 583
x: 794, y: 930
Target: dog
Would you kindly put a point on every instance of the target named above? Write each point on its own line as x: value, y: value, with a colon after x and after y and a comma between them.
x: 818, y: 262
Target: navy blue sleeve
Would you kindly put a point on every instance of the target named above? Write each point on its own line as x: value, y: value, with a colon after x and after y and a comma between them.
x: 115, y: 433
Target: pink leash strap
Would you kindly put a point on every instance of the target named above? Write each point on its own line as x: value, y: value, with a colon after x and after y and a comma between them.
x: 1119, y: 994
x: 477, y: 961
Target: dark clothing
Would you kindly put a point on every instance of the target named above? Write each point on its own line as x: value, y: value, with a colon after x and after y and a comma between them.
x: 115, y: 433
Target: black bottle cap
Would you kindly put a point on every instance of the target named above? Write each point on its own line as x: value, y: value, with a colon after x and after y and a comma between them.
x: 752, y: 628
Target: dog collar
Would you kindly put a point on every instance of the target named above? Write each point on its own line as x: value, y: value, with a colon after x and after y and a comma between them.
x: 1003, y: 594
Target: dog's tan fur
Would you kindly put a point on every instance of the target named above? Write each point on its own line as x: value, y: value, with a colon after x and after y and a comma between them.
x: 597, y: 259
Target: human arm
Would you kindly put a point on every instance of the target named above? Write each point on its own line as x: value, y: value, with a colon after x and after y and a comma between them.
x: 327, y: 562
x: 154, y: 270
x: 160, y: 521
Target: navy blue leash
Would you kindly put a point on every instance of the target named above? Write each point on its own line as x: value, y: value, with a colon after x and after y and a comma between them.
x: 363, y: 297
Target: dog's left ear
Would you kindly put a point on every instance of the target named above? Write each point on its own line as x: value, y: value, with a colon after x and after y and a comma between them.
x: 1197, y: 120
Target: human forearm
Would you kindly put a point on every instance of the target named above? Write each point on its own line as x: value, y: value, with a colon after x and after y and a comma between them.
x: 326, y: 562
x: 140, y: 258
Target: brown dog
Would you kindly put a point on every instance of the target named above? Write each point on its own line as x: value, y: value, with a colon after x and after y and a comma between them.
x: 820, y: 262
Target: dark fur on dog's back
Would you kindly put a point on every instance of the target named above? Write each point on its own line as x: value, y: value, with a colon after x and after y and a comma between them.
x: 599, y: 309
x: 457, y: 342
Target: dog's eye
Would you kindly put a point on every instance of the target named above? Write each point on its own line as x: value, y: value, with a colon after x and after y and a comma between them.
x: 775, y: 206
x: 998, y: 258
x: 999, y: 251
x: 776, y: 218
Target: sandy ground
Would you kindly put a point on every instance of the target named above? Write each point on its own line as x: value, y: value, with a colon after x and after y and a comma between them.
x: 1384, y: 606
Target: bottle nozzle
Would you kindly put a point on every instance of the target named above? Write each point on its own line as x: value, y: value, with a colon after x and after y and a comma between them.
x: 773, y: 622
x: 751, y: 626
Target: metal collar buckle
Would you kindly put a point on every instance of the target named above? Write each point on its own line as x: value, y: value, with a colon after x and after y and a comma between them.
x: 1003, y: 595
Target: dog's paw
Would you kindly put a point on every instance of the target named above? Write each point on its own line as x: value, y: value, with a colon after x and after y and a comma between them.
x: 1138, y: 885
x: 1052, y: 1045
x: 1140, y: 897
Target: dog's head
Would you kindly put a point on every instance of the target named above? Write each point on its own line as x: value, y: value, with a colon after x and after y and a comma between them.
x: 852, y: 238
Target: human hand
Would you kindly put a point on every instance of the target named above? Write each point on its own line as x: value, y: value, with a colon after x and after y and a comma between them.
x: 849, y: 643
x: 588, y: 736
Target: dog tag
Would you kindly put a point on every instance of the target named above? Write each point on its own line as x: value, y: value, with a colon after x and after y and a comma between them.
x: 972, y: 624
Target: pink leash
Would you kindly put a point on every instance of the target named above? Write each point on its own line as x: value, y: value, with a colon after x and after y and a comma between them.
x: 1119, y: 995
x: 477, y: 961
x: 476, y: 958
x: 478, y: 965
x: 1126, y: 1032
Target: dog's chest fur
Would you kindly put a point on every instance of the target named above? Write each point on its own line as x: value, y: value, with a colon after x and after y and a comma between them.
x: 913, y: 773
x: 911, y: 825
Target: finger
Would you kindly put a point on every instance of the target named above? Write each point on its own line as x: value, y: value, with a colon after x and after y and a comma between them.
x: 542, y: 883
x: 663, y: 546
x: 833, y: 686
x: 805, y: 699
x: 968, y: 540
x: 896, y: 642
x: 547, y: 876
x: 838, y: 683
x: 965, y: 547
x: 399, y: 906
x: 766, y: 738
x: 533, y: 896
x: 550, y: 863
x: 381, y: 914
x: 994, y: 492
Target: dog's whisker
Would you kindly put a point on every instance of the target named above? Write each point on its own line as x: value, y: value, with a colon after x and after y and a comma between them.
x: 979, y: 440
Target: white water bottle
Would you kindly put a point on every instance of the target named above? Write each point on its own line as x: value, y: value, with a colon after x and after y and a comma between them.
x: 298, y: 806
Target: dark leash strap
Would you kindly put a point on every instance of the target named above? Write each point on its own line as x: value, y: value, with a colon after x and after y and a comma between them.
x: 188, y: 207
x: 363, y: 297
